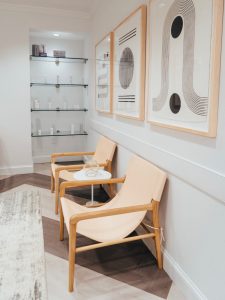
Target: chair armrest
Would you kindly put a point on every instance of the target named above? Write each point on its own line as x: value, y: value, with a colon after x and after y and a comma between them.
x: 55, y: 155
x: 75, y: 167
x: 69, y: 168
x: 70, y: 184
x: 109, y: 212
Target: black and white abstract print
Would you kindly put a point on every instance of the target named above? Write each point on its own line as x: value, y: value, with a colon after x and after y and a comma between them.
x: 103, y: 71
x: 129, y: 69
x: 181, y: 18
x: 126, y: 70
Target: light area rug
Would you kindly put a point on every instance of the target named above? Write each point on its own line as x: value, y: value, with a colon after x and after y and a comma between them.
x: 22, y: 261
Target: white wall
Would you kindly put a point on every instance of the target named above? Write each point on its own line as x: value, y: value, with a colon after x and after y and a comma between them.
x: 15, y: 120
x: 192, y: 208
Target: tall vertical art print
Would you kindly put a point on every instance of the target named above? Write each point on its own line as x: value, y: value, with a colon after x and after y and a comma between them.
x: 104, y: 74
x: 129, y: 65
x: 184, y: 64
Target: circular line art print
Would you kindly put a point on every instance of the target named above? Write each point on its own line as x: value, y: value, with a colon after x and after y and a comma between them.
x: 126, y: 68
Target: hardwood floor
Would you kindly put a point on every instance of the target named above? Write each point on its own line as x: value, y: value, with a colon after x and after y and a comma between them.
x: 44, y: 181
x: 131, y: 263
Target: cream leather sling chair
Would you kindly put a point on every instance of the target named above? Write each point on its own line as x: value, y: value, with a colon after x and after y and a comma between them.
x: 111, y: 223
x: 103, y: 155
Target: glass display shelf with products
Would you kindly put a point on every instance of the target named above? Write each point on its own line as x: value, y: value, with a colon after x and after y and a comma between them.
x: 58, y: 85
x: 58, y: 60
x: 58, y: 133
x: 58, y: 109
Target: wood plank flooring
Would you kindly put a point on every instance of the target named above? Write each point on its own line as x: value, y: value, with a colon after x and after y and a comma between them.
x: 131, y: 263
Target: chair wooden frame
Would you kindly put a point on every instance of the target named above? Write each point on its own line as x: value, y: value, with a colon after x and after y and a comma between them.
x: 152, y: 207
x: 55, y: 180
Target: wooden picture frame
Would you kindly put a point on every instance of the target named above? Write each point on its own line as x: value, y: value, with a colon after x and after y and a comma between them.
x: 104, y: 74
x: 129, y: 65
x: 184, y: 64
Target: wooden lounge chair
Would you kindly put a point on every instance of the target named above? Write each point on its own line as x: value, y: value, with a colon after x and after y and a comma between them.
x: 113, y: 222
x: 103, y: 155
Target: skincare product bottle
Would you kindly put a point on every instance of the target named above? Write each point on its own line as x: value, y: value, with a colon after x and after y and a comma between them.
x: 39, y: 131
x: 51, y: 130
x: 36, y: 104
x: 72, y: 129
x: 81, y: 128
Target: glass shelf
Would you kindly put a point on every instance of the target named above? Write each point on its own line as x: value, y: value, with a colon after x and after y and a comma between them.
x: 61, y: 133
x: 59, y: 109
x: 57, y: 85
x: 57, y: 60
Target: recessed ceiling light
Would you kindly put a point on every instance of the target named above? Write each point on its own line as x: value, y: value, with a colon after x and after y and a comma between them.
x: 56, y: 34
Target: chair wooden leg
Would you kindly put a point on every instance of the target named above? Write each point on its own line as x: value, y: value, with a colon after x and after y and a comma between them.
x: 111, y: 191
x: 156, y: 224
x: 111, y: 188
x: 158, y: 249
x: 56, y: 193
x: 72, y: 253
x: 61, y: 223
x: 52, y: 183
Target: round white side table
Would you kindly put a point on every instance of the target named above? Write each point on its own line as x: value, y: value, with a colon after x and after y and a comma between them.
x: 88, y: 174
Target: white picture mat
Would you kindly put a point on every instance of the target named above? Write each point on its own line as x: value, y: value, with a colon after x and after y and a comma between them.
x: 202, y: 58
x: 128, y: 109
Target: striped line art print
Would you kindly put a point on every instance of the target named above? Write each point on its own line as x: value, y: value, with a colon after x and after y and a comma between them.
x: 181, y: 17
x: 129, y: 35
x: 126, y: 71
x: 129, y: 65
x: 126, y: 99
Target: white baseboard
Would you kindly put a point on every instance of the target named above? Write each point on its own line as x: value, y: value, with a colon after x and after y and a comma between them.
x: 181, y: 279
x: 176, y: 273
x: 16, y: 170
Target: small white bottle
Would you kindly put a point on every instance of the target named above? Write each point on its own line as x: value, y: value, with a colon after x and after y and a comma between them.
x: 72, y: 129
x: 39, y: 131
x: 81, y: 128
x: 36, y: 104
x: 51, y: 130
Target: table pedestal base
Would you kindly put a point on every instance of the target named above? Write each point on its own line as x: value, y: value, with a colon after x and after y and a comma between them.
x: 93, y: 204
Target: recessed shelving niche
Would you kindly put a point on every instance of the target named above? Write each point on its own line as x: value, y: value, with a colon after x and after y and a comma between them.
x: 59, y: 93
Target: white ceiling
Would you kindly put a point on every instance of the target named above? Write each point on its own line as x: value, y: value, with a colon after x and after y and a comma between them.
x: 87, y: 6
x: 62, y: 35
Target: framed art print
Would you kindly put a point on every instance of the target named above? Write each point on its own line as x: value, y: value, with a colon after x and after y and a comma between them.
x: 184, y: 42
x: 104, y: 74
x: 129, y: 65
